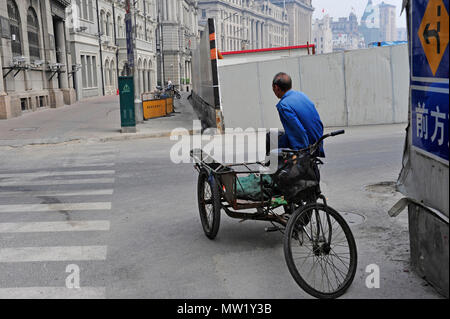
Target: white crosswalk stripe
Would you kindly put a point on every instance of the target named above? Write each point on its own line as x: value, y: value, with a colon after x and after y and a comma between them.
x: 54, y: 207
x: 52, y: 293
x: 63, y: 253
x: 91, y: 192
x: 81, y: 175
x: 54, y: 173
x: 36, y: 227
x: 59, y: 182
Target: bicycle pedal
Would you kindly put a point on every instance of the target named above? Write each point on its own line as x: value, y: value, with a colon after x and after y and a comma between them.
x: 271, y: 229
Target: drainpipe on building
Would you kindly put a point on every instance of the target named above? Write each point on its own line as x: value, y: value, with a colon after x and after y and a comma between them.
x: 45, y: 50
x: 100, y: 48
x: 115, y: 43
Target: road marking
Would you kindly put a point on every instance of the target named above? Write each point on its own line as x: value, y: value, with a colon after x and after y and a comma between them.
x: 38, y: 227
x: 60, y: 182
x: 60, y: 253
x: 52, y: 293
x: 54, y: 207
x: 55, y: 173
x: 92, y: 192
x: 79, y: 165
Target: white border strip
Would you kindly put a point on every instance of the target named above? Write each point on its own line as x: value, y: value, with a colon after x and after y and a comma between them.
x: 430, y: 80
x: 429, y: 89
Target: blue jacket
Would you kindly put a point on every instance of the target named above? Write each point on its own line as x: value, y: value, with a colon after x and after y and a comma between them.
x: 300, y: 120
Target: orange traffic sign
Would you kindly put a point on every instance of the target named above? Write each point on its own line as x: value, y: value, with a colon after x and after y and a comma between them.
x: 433, y: 33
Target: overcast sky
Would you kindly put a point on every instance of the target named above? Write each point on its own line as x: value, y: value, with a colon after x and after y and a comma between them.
x: 342, y: 8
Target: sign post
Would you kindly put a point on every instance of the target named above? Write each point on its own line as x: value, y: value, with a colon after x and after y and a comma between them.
x: 127, y: 114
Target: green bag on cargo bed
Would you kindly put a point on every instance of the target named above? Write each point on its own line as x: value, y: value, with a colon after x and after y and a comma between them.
x: 249, y: 187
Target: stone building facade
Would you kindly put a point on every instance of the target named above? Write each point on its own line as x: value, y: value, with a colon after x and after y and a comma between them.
x: 246, y: 24
x: 299, y: 19
x: 388, y: 24
x: 35, y: 58
x: 99, y: 48
x: 322, y: 35
x: 179, y: 28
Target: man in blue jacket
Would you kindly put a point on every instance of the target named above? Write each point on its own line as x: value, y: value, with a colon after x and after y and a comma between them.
x: 300, y: 119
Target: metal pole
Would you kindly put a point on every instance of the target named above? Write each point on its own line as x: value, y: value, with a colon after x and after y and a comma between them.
x: 115, y: 43
x: 137, y: 100
x: 163, y: 79
x: 100, y: 48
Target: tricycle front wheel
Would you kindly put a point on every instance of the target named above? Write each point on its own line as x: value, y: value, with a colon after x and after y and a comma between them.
x: 209, y: 204
x: 321, y: 254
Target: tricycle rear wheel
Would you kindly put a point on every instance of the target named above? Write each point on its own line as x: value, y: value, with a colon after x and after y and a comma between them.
x: 209, y: 204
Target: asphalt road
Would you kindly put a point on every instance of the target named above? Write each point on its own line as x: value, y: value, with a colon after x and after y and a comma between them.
x: 125, y: 217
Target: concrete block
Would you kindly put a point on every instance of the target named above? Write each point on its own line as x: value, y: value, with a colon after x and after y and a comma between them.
x: 322, y: 79
x: 368, y: 86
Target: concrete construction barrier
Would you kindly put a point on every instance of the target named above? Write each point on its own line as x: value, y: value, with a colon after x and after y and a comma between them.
x: 360, y: 87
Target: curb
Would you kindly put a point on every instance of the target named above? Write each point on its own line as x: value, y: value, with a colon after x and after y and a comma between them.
x: 122, y: 137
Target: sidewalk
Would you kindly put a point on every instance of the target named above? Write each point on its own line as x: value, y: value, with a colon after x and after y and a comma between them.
x: 96, y: 119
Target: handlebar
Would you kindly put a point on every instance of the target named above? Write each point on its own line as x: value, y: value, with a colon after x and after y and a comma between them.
x: 312, y: 148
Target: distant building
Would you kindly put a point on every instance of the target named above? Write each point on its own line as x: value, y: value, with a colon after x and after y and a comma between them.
x: 179, y: 25
x: 322, y: 35
x: 346, y: 34
x: 299, y: 18
x: 402, y: 34
x: 378, y: 23
x: 247, y: 24
x: 388, y: 27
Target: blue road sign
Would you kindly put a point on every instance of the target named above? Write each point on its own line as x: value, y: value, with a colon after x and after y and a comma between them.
x: 429, y: 39
x: 129, y: 34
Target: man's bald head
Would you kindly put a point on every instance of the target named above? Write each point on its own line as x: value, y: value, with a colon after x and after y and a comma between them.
x: 281, y: 83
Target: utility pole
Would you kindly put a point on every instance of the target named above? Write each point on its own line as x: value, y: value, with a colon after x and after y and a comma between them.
x: 129, y: 107
x: 130, y: 23
x: 160, y: 44
x: 100, y: 48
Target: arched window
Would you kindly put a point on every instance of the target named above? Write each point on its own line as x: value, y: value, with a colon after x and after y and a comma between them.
x: 106, y: 71
x: 15, y: 27
x: 33, y: 34
x: 119, y: 27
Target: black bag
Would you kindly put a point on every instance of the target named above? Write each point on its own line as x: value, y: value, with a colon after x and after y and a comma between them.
x: 295, y: 174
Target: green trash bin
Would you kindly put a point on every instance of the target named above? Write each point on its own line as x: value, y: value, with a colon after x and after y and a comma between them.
x: 127, y: 113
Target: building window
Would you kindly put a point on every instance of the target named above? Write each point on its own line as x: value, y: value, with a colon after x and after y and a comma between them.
x: 203, y: 13
x: 84, y: 9
x: 83, y: 71
x: 33, y: 34
x: 89, y: 71
x: 94, y: 67
x: 14, y: 22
